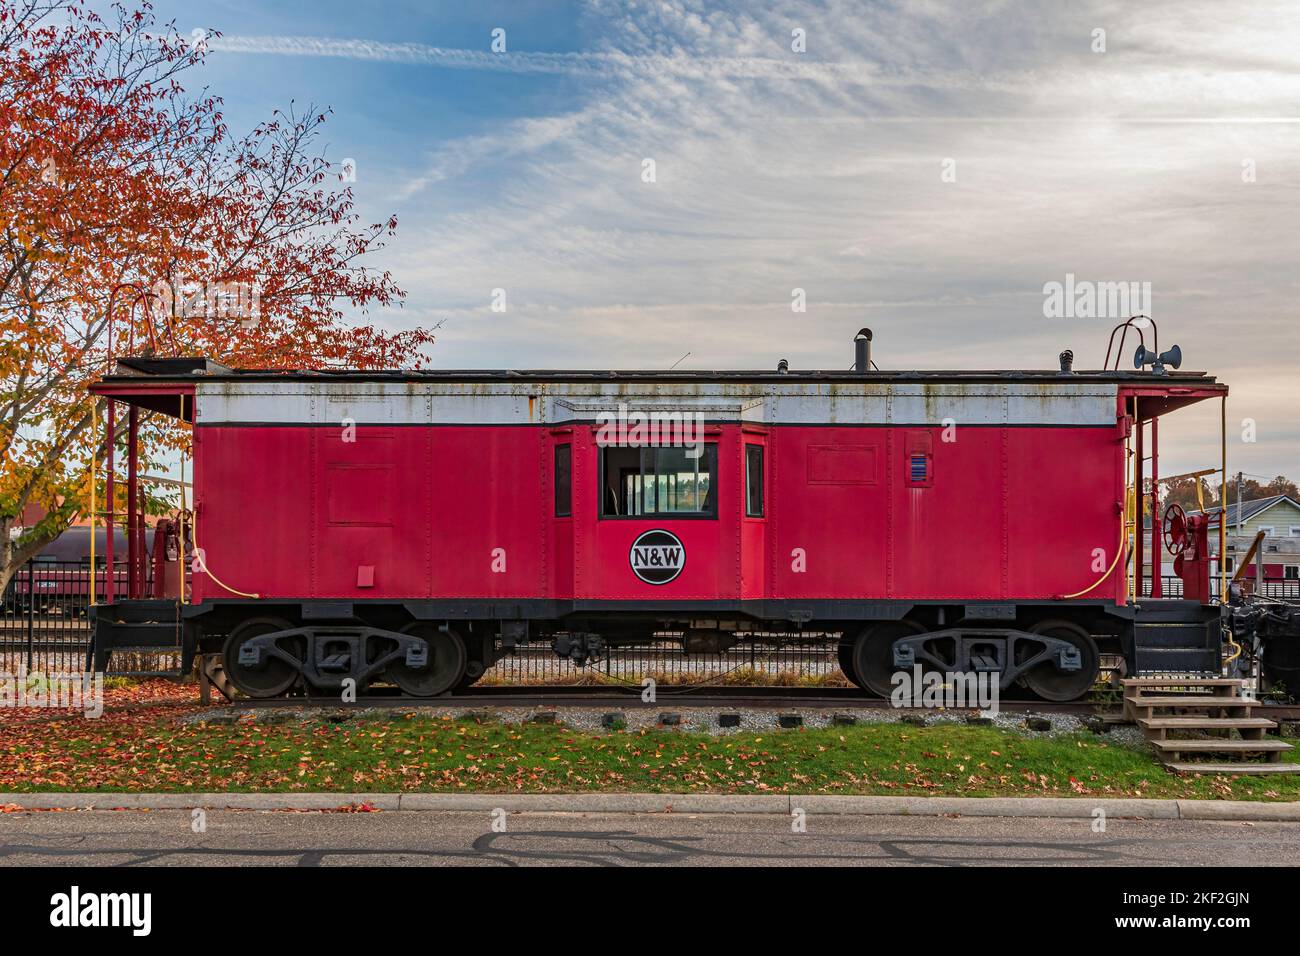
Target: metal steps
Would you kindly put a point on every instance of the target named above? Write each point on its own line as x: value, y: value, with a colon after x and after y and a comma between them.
x: 129, y: 629
x: 1209, y: 711
x: 1175, y: 636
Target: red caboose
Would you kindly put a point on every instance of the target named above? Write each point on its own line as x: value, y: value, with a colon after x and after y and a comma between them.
x: 408, y: 527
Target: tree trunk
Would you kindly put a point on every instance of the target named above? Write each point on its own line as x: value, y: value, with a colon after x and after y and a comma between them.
x: 12, y: 556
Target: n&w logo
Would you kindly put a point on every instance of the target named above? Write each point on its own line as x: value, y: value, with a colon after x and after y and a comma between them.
x: 657, y: 557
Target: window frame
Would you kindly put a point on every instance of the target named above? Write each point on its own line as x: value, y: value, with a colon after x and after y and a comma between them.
x: 711, y: 456
x: 760, y: 448
x: 555, y: 481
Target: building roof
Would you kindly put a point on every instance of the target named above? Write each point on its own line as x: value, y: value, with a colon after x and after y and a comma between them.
x: 1242, y: 511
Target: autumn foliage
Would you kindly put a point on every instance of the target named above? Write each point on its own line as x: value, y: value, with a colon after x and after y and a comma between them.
x: 116, y: 186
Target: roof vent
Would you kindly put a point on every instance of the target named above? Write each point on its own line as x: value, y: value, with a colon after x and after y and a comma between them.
x: 862, y: 351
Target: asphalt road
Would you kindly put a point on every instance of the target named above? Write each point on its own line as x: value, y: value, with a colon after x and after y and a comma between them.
x: 413, y: 838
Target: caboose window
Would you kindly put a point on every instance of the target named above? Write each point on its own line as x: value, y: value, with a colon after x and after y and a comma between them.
x: 754, y: 481
x: 641, y: 482
x: 563, y: 481
x: 920, y: 468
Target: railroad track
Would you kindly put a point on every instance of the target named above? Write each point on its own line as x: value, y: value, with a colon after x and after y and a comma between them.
x: 666, y: 699
x: 673, y: 698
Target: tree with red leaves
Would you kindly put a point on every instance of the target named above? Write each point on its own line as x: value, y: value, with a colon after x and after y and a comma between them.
x: 132, y: 220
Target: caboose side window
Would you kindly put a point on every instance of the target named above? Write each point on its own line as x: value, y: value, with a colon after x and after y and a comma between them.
x: 919, y: 459
x: 920, y: 468
x: 668, y: 481
x: 563, y: 481
x: 754, y: 481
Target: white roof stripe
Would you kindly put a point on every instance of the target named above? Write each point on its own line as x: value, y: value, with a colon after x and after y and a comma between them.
x: 414, y: 403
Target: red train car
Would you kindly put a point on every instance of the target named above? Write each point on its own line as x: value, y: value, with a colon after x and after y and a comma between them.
x: 408, y: 527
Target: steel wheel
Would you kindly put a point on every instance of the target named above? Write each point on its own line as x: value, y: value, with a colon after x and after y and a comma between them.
x: 873, y: 660
x: 446, y: 665
x: 474, y: 670
x: 1056, y: 685
x: 274, y: 676
x: 844, y: 650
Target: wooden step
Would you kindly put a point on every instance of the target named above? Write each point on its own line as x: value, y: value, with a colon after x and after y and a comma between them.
x: 1165, y: 704
x: 1193, y: 701
x: 1235, y: 769
x: 1205, y: 723
x: 1221, y: 746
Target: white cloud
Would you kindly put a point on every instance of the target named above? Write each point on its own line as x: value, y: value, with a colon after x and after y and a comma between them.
x: 822, y: 172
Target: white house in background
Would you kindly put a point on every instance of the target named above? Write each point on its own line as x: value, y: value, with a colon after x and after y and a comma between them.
x: 1279, y: 518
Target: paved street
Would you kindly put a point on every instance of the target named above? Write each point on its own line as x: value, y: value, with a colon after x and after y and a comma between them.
x: 405, y: 838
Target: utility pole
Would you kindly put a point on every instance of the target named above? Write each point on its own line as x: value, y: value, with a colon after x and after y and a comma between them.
x: 1241, y: 488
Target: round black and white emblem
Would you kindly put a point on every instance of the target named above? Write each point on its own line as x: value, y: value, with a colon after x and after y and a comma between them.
x: 657, y: 557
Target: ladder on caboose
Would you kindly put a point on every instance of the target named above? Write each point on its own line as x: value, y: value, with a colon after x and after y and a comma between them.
x: 1186, y: 718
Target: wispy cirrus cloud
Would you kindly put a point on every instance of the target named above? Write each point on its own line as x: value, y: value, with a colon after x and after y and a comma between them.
x: 823, y: 172
x: 589, y: 64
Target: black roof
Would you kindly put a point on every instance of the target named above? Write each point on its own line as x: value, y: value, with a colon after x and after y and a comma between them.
x: 1250, y: 508
x: 130, y: 369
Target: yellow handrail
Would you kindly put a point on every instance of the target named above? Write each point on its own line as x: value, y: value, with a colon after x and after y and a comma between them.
x: 1123, y: 540
x: 203, y: 561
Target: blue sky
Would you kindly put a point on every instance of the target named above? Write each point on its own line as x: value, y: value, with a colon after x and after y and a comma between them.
x: 823, y: 171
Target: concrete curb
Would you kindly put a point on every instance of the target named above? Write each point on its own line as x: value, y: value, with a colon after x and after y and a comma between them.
x: 1069, y: 808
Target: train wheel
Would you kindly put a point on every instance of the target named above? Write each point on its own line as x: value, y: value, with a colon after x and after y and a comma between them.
x: 1056, y: 685
x: 845, y: 652
x: 873, y: 660
x: 274, y: 676
x: 473, y: 671
x: 446, y: 665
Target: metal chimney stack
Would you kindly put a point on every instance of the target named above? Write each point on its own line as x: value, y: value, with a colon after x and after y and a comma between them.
x: 862, y: 351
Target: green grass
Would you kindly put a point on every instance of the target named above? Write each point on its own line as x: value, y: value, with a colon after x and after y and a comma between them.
x: 419, y: 753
